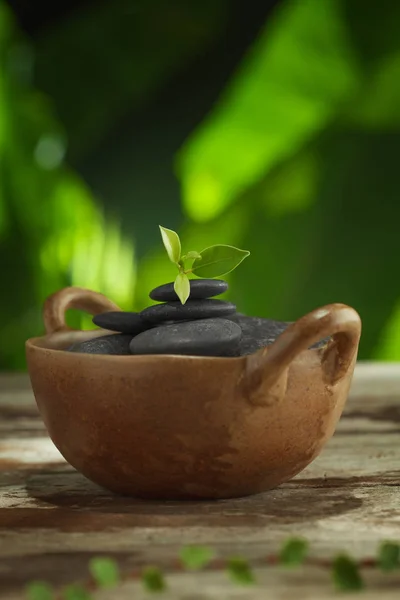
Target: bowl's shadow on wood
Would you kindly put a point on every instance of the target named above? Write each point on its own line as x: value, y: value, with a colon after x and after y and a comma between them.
x: 71, y: 494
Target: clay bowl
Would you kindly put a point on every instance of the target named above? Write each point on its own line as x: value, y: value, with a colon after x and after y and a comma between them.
x: 181, y: 427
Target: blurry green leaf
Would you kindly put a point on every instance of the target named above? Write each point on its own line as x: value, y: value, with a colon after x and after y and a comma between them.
x: 182, y: 287
x: 49, y: 151
x: 76, y: 592
x: 52, y: 231
x: 196, y: 557
x: 172, y: 244
x: 104, y: 571
x: 292, y: 186
x: 240, y: 571
x: 309, y: 265
x: 293, y: 552
x: 218, y: 260
x: 39, y: 590
x: 153, y: 580
x: 346, y: 575
x: 388, y: 348
x: 289, y: 86
x: 389, y: 556
x: 192, y: 254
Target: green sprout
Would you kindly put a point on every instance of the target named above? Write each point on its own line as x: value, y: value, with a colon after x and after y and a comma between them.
x: 211, y: 262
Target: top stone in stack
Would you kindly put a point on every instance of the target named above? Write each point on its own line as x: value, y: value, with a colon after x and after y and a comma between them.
x: 199, y: 289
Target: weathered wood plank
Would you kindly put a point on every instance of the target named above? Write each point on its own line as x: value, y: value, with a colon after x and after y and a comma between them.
x: 52, y: 520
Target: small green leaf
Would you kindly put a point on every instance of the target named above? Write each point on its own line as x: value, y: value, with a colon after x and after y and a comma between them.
x: 389, y: 556
x: 39, y: 590
x: 172, y: 244
x: 196, y: 557
x: 104, y: 571
x: 240, y: 571
x: 293, y: 552
x: 76, y: 592
x: 346, y: 575
x: 182, y: 287
x: 218, y: 260
x: 193, y: 254
x: 153, y: 580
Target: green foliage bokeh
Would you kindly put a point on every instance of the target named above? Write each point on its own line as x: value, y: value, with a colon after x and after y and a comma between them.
x: 296, y: 160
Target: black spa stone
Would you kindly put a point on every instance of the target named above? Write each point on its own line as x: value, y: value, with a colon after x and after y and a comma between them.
x: 199, y: 288
x: 258, y: 332
x: 193, y: 309
x: 116, y: 343
x: 203, y: 337
x: 124, y: 322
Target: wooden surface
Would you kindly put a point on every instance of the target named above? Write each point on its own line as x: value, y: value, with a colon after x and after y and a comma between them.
x: 52, y: 520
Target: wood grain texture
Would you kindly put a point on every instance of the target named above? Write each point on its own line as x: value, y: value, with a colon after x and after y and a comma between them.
x: 52, y: 520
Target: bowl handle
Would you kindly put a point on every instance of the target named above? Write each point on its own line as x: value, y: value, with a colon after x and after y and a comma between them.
x: 267, y: 368
x: 58, y: 303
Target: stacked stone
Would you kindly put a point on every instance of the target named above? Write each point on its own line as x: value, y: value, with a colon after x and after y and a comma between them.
x: 204, y: 326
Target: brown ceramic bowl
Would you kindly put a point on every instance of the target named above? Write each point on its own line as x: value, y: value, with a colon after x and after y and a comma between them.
x: 176, y: 427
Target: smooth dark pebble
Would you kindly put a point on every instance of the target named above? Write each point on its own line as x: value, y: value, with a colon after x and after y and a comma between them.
x: 258, y: 332
x: 124, y: 322
x: 116, y: 343
x: 203, y: 337
x: 193, y: 309
x: 199, y: 288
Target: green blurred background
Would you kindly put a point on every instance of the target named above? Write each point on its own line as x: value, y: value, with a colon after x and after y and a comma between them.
x: 271, y: 126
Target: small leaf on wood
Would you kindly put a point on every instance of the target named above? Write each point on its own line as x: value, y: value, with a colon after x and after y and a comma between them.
x: 196, y: 557
x: 346, y: 575
x: 218, y: 260
x: 39, y: 590
x: 153, y: 580
x: 389, y: 556
x: 240, y: 571
x: 76, y: 592
x: 293, y: 552
x: 104, y: 571
x: 172, y: 244
x: 182, y: 287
